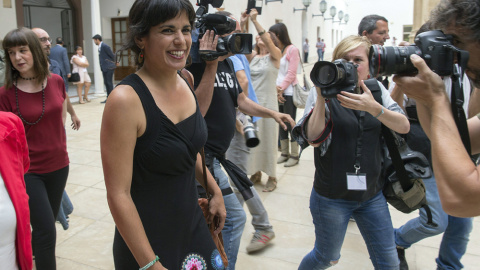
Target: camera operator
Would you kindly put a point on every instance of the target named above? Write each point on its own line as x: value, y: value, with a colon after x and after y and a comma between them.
x: 457, y: 177
x: 348, y: 180
x: 457, y: 230
x: 218, y: 93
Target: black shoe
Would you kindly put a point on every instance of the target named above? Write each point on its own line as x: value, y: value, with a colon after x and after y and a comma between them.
x: 104, y: 101
x: 401, y: 257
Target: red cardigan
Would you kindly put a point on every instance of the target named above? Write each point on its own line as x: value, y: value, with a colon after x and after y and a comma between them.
x: 14, y: 163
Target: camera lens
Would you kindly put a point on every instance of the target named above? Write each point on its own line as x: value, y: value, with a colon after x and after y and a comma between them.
x: 238, y: 43
x: 385, y: 61
x: 326, y: 74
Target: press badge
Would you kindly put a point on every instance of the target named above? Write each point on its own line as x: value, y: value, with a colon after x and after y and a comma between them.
x: 357, y: 181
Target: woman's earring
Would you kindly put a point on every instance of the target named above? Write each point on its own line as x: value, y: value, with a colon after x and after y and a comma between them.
x: 368, y: 77
x: 140, y: 57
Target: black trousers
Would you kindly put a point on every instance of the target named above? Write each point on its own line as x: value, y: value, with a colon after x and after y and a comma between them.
x: 45, y: 192
x: 289, y: 108
x: 108, y: 80
x: 305, y: 57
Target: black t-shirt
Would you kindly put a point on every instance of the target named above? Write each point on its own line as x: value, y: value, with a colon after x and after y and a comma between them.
x: 221, y: 114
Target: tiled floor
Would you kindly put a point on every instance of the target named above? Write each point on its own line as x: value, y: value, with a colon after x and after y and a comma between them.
x: 87, y: 244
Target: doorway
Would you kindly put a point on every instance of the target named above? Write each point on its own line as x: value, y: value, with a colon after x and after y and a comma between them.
x: 55, y: 17
x: 125, y: 58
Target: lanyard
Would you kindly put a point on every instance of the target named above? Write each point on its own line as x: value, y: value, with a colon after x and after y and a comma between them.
x: 358, y: 150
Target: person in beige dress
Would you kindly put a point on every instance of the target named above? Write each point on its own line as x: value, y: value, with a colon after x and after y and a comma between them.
x: 264, y: 70
x: 80, y: 64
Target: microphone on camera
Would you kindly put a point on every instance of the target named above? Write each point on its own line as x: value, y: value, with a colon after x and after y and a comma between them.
x: 215, y: 19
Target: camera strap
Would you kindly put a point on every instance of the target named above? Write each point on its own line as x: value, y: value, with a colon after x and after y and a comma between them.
x: 457, y: 99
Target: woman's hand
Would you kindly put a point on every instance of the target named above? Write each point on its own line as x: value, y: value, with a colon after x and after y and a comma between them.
x: 217, y: 208
x: 253, y: 14
x: 209, y: 41
x: 280, y: 97
x: 361, y: 102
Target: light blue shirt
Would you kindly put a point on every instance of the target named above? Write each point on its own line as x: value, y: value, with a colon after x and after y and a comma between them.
x: 240, y: 62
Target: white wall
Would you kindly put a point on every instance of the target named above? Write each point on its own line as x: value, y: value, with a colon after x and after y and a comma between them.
x: 398, y: 13
x: 8, y: 19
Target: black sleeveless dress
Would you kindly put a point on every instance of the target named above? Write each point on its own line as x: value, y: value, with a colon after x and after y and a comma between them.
x: 164, y: 190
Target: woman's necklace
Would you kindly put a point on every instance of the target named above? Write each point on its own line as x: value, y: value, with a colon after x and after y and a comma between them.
x: 27, y: 79
x: 18, y: 106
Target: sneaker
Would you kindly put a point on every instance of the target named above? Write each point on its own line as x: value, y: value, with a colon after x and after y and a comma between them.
x: 260, y: 240
x: 352, y: 219
x: 401, y: 257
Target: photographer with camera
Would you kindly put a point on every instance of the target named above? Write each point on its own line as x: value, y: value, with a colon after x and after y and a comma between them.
x: 432, y: 220
x: 218, y: 94
x: 457, y: 177
x: 345, y: 130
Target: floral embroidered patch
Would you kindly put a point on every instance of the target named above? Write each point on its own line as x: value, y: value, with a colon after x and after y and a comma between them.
x: 217, y: 262
x: 194, y: 262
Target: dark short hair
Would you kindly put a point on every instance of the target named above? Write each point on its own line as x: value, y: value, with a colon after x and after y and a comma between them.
x: 59, y: 40
x: 25, y: 37
x: 281, y: 31
x: 97, y: 36
x: 78, y: 47
x: 369, y: 23
x: 464, y: 14
x: 144, y: 14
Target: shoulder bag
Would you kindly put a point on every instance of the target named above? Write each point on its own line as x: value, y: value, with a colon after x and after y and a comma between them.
x: 74, y: 77
x: 300, y: 94
x: 404, y: 168
x: 204, y: 204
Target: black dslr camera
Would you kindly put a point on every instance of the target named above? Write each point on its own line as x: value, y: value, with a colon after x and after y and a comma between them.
x: 433, y: 46
x: 235, y: 43
x: 335, y: 77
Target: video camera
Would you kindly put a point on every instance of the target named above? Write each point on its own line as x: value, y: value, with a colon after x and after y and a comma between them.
x: 433, y: 46
x: 236, y: 43
x: 334, y: 77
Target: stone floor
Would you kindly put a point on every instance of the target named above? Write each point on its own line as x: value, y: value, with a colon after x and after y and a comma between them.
x: 87, y: 244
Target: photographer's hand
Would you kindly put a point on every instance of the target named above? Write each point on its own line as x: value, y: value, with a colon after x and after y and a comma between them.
x: 361, y: 102
x: 366, y: 102
x: 253, y: 14
x: 209, y: 41
x: 426, y: 87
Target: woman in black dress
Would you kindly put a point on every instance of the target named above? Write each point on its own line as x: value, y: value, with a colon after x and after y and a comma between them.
x: 152, y: 131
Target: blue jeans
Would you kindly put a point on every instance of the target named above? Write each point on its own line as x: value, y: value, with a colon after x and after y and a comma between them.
x: 66, y: 208
x: 236, y: 218
x: 455, y: 238
x: 238, y: 153
x: 320, y: 54
x: 331, y: 216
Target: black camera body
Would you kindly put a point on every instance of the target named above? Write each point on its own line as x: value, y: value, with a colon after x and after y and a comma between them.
x: 334, y: 77
x: 236, y: 43
x: 433, y: 46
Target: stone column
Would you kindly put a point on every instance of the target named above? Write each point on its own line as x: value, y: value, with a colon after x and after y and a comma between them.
x: 96, y: 29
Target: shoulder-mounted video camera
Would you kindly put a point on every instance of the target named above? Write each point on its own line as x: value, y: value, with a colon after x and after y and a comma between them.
x: 236, y: 43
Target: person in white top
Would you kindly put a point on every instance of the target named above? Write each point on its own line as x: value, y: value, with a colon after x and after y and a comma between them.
x: 80, y: 64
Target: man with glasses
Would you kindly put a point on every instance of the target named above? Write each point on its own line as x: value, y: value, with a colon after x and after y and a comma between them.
x: 54, y: 68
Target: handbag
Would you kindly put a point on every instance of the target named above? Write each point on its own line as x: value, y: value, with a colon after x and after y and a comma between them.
x: 404, y: 170
x: 300, y: 94
x: 74, y: 77
x: 204, y: 204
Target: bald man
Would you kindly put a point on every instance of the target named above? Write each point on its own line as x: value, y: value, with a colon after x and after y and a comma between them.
x: 54, y: 67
